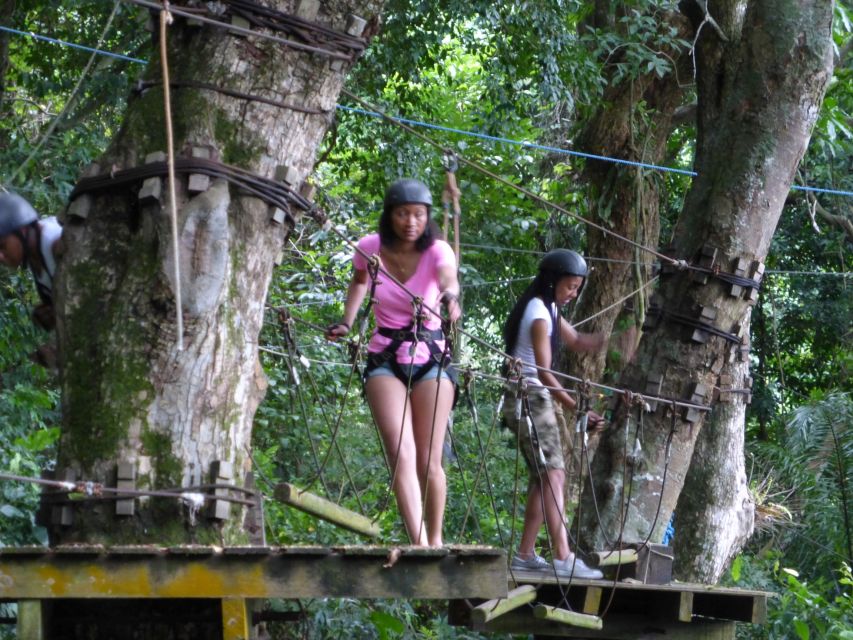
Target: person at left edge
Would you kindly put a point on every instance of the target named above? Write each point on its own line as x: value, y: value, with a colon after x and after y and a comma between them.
x: 412, y: 419
x: 27, y: 241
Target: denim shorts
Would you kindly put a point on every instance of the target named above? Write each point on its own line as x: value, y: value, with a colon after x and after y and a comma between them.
x: 409, y: 369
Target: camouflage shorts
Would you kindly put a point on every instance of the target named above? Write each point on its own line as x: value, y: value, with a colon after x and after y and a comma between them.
x: 544, y: 433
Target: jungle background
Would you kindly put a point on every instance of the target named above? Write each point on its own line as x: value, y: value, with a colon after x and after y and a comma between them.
x: 507, y: 72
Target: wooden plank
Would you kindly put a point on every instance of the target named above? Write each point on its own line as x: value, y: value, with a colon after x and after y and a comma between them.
x: 543, y: 577
x: 564, y: 616
x: 325, y: 509
x: 235, y: 619
x: 30, y: 620
x: 183, y: 573
x: 491, y: 609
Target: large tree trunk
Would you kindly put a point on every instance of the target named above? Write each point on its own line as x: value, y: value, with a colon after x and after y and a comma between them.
x: 760, y: 91
x: 715, y: 512
x: 634, y: 124
x: 129, y: 394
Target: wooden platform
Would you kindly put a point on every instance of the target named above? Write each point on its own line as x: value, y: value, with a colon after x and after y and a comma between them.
x: 38, y: 573
x: 673, y: 611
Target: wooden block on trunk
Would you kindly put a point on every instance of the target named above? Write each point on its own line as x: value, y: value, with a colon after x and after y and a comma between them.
x: 740, y: 266
x: 241, y: 23
x: 156, y: 156
x: 707, y: 315
x: 308, y: 9
x: 221, y: 472
x: 757, y: 275
x: 151, y: 191
x: 125, y: 479
x: 198, y: 182
x: 707, y: 260
x: 80, y: 207
x: 654, y: 383
x: 355, y: 25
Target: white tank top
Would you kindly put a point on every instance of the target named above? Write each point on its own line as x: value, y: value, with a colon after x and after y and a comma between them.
x: 535, y: 310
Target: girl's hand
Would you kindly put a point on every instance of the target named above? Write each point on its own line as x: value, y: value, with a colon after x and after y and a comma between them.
x: 336, y: 330
x: 451, y: 303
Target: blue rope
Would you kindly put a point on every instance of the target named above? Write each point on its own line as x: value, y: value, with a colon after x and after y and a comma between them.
x: 72, y: 45
x: 527, y: 145
x: 427, y: 125
x: 836, y: 192
x: 568, y: 152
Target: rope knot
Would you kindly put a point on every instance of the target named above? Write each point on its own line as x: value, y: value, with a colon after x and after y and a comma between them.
x: 682, y: 265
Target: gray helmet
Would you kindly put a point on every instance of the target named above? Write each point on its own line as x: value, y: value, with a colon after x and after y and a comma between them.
x: 405, y: 191
x: 15, y: 213
x: 564, y: 262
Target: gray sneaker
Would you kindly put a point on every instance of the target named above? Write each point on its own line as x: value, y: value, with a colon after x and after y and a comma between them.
x: 573, y: 567
x: 536, y: 563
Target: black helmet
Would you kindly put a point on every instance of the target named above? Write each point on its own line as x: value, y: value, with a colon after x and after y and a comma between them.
x: 406, y: 191
x: 564, y: 262
x: 15, y: 212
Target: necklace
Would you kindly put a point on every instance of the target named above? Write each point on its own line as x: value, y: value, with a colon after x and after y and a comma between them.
x: 402, y: 265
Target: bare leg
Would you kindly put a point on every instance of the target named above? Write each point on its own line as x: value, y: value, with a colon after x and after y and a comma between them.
x: 387, y: 399
x: 554, y: 498
x: 533, y: 521
x: 429, y: 418
x: 553, y: 514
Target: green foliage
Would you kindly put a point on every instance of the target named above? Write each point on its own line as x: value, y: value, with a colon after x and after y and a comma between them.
x: 28, y: 415
x: 803, y: 610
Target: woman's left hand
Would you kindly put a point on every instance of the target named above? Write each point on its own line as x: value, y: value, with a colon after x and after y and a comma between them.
x: 451, y: 303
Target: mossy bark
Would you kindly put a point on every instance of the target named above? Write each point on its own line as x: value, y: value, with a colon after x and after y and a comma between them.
x: 128, y: 393
x: 759, y: 95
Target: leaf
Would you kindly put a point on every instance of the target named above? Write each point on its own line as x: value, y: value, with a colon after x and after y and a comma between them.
x: 386, y: 624
x: 737, y: 567
x: 8, y: 511
x: 802, y: 629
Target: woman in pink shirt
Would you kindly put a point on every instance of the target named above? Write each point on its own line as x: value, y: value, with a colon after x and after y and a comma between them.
x: 409, y: 382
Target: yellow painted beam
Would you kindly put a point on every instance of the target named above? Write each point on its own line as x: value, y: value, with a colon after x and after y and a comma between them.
x: 289, y: 572
x: 235, y: 619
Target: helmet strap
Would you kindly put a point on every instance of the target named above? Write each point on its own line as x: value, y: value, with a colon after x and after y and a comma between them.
x: 25, y: 244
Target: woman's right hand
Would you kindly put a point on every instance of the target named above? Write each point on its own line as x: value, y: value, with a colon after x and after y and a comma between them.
x: 336, y: 330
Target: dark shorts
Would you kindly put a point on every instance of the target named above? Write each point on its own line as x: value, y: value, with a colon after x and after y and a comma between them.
x: 410, y: 370
x: 540, y: 439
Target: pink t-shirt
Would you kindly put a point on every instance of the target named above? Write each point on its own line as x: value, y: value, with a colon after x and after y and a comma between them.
x: 393, y: 306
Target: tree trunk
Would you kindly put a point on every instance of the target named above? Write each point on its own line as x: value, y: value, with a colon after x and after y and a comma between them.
x: 715, y: 511
x: 634, y: 124
x: 759, y: 92
x: 129, y: 394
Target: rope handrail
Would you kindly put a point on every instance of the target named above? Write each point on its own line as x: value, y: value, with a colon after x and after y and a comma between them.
x: 95, y: 489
